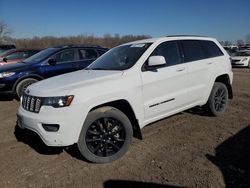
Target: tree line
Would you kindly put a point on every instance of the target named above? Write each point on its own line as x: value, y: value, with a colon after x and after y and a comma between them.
x: 107, y: 40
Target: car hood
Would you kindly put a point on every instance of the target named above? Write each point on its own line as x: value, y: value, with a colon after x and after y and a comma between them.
x: 12, y: 67
x: 63, y: 84
x: 239, y: 57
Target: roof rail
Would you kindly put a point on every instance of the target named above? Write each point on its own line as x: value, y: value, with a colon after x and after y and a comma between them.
x: 185, y: 36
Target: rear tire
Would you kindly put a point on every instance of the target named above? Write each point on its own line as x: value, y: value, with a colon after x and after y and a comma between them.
x: 105, y: 136
x: 218, y: 99
x: 22, y: 86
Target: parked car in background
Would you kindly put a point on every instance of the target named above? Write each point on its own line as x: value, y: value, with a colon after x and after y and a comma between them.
x: 15, y: 78
x: 4, y: 48
x: 241, y: 59
x: 230, y: 51
x: 16, y: 55
x: 129, y: 87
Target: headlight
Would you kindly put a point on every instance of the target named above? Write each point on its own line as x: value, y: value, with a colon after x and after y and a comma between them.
x: 6, y: 74
x: 58, y: 102
x: 244, y: 59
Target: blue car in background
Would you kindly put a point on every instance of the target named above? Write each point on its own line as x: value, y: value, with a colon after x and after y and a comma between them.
x: 15, y: 78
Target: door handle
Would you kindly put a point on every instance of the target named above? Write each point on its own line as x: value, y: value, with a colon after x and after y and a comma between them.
x: 209, y: 63
x: 180, y: 69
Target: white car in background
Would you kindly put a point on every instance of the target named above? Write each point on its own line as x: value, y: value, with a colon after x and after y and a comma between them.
x: 241, y: 59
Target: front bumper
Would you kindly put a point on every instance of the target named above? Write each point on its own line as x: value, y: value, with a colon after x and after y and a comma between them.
x: 70, y: 120
x: 4, y: 94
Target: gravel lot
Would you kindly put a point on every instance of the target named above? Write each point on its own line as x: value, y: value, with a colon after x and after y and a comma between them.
x: 189, y: 149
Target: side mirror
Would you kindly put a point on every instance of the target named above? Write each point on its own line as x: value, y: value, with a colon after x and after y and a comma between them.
x: 5, y: 59
x: 52, y: 62
x: 155, y: 62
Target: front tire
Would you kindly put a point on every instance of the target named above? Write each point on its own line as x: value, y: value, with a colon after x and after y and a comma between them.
x: 218, y: 99
x: 22, y: 86
x: 105, y: 135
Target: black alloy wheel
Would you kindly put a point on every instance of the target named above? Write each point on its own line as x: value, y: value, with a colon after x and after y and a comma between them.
x: 220, y: 99
x: 105, y: 136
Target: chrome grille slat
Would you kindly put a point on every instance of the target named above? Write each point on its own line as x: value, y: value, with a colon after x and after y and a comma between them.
x: 31, y: 103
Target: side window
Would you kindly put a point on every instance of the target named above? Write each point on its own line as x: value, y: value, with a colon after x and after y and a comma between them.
x: 85, y: 54
x: 15, y: 55
x: 101, y: 52
x: 26, y: 54
x: 211, y: 49
x: 65, y: 56
x: 192, y: 50
x: 170, y: 51
x: 30, y: 53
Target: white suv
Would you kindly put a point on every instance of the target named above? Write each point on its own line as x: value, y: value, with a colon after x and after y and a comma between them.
x: 102, y: 107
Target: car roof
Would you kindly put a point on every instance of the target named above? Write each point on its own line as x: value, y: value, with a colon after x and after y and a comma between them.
x: 78, y: 46
x: 172, y: 37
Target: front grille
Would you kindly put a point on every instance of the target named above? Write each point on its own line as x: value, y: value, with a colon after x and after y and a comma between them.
x: 234, y: 61
x: 31, y: 103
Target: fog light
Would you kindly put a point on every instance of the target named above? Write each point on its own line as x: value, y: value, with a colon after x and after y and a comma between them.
x: 51, y: 127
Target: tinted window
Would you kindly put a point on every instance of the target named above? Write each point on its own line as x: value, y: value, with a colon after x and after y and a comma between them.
x: 42, y: 55
x: 242, y: 53
x: 170, y: 51
x: 15, y: 55
x: 192, y: 50
x: 211, y: 49
x: 87, y: 54
x: 65, y: 56
x: 101, y: 52
x: 31, y: 52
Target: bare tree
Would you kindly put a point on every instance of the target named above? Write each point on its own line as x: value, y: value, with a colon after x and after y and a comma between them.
x: 5, y: 32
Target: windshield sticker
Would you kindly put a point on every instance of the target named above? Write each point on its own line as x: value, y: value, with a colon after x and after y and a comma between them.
x: 137, y: 45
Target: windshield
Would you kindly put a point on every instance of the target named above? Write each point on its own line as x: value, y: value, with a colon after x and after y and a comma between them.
x: 245, y: 53
x: 40, y: 55
x: 120, y: 58
x: 2, y: 52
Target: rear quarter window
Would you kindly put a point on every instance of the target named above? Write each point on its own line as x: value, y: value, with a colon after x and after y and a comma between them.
x: 211, y: 49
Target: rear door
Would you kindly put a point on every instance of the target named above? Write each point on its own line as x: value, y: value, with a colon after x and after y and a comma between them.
x: 86, y: 56
x: 164, y: 90
x: 199, y: 70
x: 65, y: 62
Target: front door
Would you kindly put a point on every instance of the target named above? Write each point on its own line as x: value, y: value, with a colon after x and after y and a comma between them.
x: 65, y: 62
x: 164, y: 90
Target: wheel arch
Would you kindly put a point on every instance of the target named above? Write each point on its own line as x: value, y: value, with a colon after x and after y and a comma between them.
x: 34, y: 76
x: 225, y: 79
x: 125, y: 107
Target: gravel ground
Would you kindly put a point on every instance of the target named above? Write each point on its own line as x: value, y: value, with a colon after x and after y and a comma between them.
x: 189, y: 149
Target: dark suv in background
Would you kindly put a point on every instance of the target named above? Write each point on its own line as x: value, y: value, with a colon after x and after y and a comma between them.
x: 15, y: 78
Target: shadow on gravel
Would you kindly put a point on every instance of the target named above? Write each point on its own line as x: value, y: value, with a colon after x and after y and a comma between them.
x: 74, y: 152
x: 198, y: 111
x: 132, y: 184
x: 33, y: 140
x: 233, y: 159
